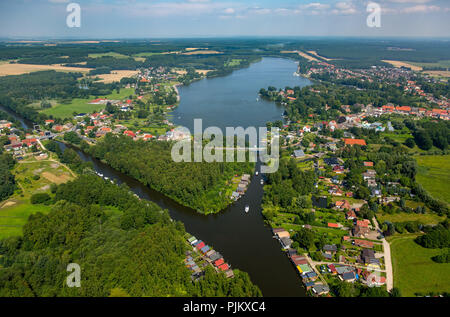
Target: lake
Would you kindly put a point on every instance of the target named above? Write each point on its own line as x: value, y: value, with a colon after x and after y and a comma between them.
x: 233, y: 100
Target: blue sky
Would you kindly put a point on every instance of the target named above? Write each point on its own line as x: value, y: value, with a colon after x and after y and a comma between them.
x: 209, y: 18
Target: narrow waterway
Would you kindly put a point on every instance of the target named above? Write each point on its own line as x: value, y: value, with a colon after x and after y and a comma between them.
x: 242, y: 238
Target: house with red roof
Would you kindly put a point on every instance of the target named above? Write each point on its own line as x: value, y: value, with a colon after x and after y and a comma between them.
x: 364, y: 243
x: 224, y: 267
x: 219, y: 262
x: 29, y: 142
x: 355, y: 142
x: 129, y: 133
x: 404, y: 109
x: 342, y: 204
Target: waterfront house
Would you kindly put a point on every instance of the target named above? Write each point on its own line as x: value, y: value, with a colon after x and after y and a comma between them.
x: 219, y: 262
x: 320, y: 289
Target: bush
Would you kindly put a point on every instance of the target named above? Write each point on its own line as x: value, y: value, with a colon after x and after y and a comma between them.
x: 40, y: 198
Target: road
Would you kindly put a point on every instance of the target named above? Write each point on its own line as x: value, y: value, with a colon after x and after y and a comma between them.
x: 387, y: 260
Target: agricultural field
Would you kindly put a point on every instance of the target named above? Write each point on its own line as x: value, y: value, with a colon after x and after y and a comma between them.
x: 82, y: 105
x: 399, y: 64
x: 433, y: 175
x: 443, y: 63
x: 32, y: 177
x: 414, y: 271
x: 14, y: 214
x: 116, y: 75
x: 19, y: 69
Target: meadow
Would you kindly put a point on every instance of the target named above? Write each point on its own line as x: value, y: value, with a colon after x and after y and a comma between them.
x: 414, y: 271
x: 433, y: 175
x: 32, y: 177
x: 82, y: 105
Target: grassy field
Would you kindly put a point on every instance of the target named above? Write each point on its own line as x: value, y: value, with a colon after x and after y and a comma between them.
x: 433, y: 175
x: 426, y: 219
x: 414, y: 271
x: 401, y: 138
x: 13, y: 217
x: 82, y: 105
x: 15, y: 211
x: 443, y: 63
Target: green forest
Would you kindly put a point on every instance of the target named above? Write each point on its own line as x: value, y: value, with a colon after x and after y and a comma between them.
x: 202, y: 186
x: 124, y: 246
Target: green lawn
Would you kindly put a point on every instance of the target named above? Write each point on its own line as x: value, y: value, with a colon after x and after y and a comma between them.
x: 401, y: 138
x: 12, y: 218
x: 82, y: 105
x: 414, y: 271
x: 426, y: 219
x: 434, y: 174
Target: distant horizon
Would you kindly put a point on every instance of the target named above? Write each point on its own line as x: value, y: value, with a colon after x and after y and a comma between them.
x: 156, y: 19
x: 280, y: 37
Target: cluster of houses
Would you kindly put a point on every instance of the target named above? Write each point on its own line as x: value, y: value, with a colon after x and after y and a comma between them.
x: 391, y: 75
x: 19, y: 147
x: 241, y: 187
x: 208, y: 256
x: 308, y: 275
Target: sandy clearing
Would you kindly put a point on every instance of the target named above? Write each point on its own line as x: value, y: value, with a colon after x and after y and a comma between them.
x: 56, y: 179
x: 200, y: 71
x: 8, y: 203
x: 202, y: 52
x: 404, y: 64
x: 319, y: 56
x: 203, y: 71
x: 117, y: 75
x: 19, y: 69
x: 302, y: 54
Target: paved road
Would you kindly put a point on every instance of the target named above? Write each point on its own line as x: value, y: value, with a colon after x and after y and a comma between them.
x: 387, y: 260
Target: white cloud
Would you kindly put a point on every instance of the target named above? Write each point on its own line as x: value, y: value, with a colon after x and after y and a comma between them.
x: 229, y: 11
x: 421, y: 9
x: 344, y: 8
x: 315, y: 6
x: 410, y: 1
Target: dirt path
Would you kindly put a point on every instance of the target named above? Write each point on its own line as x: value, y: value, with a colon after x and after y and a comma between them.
x: 387, y: 260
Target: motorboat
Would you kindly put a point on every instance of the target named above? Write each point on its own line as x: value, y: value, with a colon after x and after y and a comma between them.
x: 247, y: 208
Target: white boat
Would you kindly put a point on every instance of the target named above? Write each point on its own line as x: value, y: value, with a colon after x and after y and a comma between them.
x: 247, y: 208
